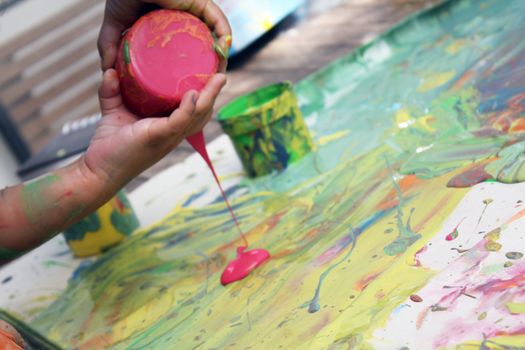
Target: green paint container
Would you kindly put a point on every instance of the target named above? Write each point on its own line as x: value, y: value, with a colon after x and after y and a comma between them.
x: 267, y: 129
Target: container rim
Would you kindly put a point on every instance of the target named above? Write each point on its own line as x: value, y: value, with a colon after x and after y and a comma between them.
x: 246, y: 104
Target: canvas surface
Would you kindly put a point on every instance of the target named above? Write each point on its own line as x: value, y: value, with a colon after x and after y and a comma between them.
x: 379, y: 240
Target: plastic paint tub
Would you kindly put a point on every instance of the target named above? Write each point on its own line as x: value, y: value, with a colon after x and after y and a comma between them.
x: 103, y: 229
x: 162, y: 56
x: 267, y: 129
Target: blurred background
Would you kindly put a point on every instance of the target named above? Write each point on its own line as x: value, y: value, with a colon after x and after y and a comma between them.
x: 49, y: 68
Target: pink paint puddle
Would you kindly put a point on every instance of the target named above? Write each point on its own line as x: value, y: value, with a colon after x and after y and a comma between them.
x: 247, y: 261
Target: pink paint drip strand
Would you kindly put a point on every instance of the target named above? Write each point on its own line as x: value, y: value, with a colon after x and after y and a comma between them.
x: 246, y: 261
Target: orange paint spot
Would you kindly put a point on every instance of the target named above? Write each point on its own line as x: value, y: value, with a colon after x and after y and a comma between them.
x: 228, y: 40
x: 517, y: 126
x: 404, y: 184
x: 365, y: 281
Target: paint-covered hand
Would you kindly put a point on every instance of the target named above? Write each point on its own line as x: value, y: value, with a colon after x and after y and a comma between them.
x: 124, y: 145
x: 121, y: 14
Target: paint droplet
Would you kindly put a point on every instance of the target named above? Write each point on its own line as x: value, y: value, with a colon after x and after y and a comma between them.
x: 452, y: 235
x: 492, y: 246
x: 482, y: 316
x: 487, y: 201
x: 460, y: 251
x: 389, y: 230
x: 436, y: 308
x: 416, y: 298
x: 507, y: 264
x: 455, y: 233
x: 514, y: 255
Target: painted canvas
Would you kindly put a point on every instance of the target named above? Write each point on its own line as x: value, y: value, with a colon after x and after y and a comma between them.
x: 404, y: 230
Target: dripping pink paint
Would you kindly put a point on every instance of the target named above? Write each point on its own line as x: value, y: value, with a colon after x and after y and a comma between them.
x: 248, y: 260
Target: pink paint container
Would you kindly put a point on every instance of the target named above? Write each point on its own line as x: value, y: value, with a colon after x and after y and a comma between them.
x: 162, y: 56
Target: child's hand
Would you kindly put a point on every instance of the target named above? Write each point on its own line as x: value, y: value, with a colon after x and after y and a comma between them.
x: 121, y: 14
x: 124, y: 145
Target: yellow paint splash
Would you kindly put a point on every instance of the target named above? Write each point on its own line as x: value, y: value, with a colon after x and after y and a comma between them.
x: 332, y: 137
x: 435, y: 80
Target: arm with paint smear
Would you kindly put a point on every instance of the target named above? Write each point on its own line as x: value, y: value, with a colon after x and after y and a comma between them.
x: 123, y: 146
x: 121, y: 14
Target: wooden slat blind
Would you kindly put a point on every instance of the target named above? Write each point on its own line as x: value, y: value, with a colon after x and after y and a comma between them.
x: 36, y: 84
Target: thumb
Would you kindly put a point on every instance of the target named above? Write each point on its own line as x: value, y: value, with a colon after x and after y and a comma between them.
x: 109, y: 91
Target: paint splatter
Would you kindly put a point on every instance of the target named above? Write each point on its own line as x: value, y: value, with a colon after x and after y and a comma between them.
x: 514, y: 255
x: 314, y: 305
x: 416, y: 298
x: 455, y: 233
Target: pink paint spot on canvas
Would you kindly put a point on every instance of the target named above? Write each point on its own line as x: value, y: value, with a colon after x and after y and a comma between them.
x: 246, y: 262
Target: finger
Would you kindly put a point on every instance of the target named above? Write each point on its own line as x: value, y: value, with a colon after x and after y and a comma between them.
x: 209, y: 93
x: 109, y: 92
x: 207, y: 10
x: 215, y: 19
x: 107, y: 43
x: 179, y: 120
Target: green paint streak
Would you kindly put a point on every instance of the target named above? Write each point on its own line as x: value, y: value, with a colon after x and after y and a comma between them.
x: 314, y: 303
x: 509, y: 167
x: 127, y: 57
x: 35, y: 200
x: 406, y: 237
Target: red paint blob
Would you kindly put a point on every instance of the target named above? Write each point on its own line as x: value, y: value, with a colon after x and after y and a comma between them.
x: 416, y: 298
x: 246, y: 262
x: 162, y: 56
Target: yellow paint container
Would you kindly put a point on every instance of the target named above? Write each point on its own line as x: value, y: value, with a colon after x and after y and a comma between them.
x: 104, y: 228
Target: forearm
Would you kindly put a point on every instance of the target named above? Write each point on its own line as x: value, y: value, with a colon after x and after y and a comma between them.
x: 33, y: 212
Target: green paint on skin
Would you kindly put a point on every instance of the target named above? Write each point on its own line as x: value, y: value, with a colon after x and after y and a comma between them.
x: 35, y: 200
x: 223, y: 53
x: 149, y: 291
